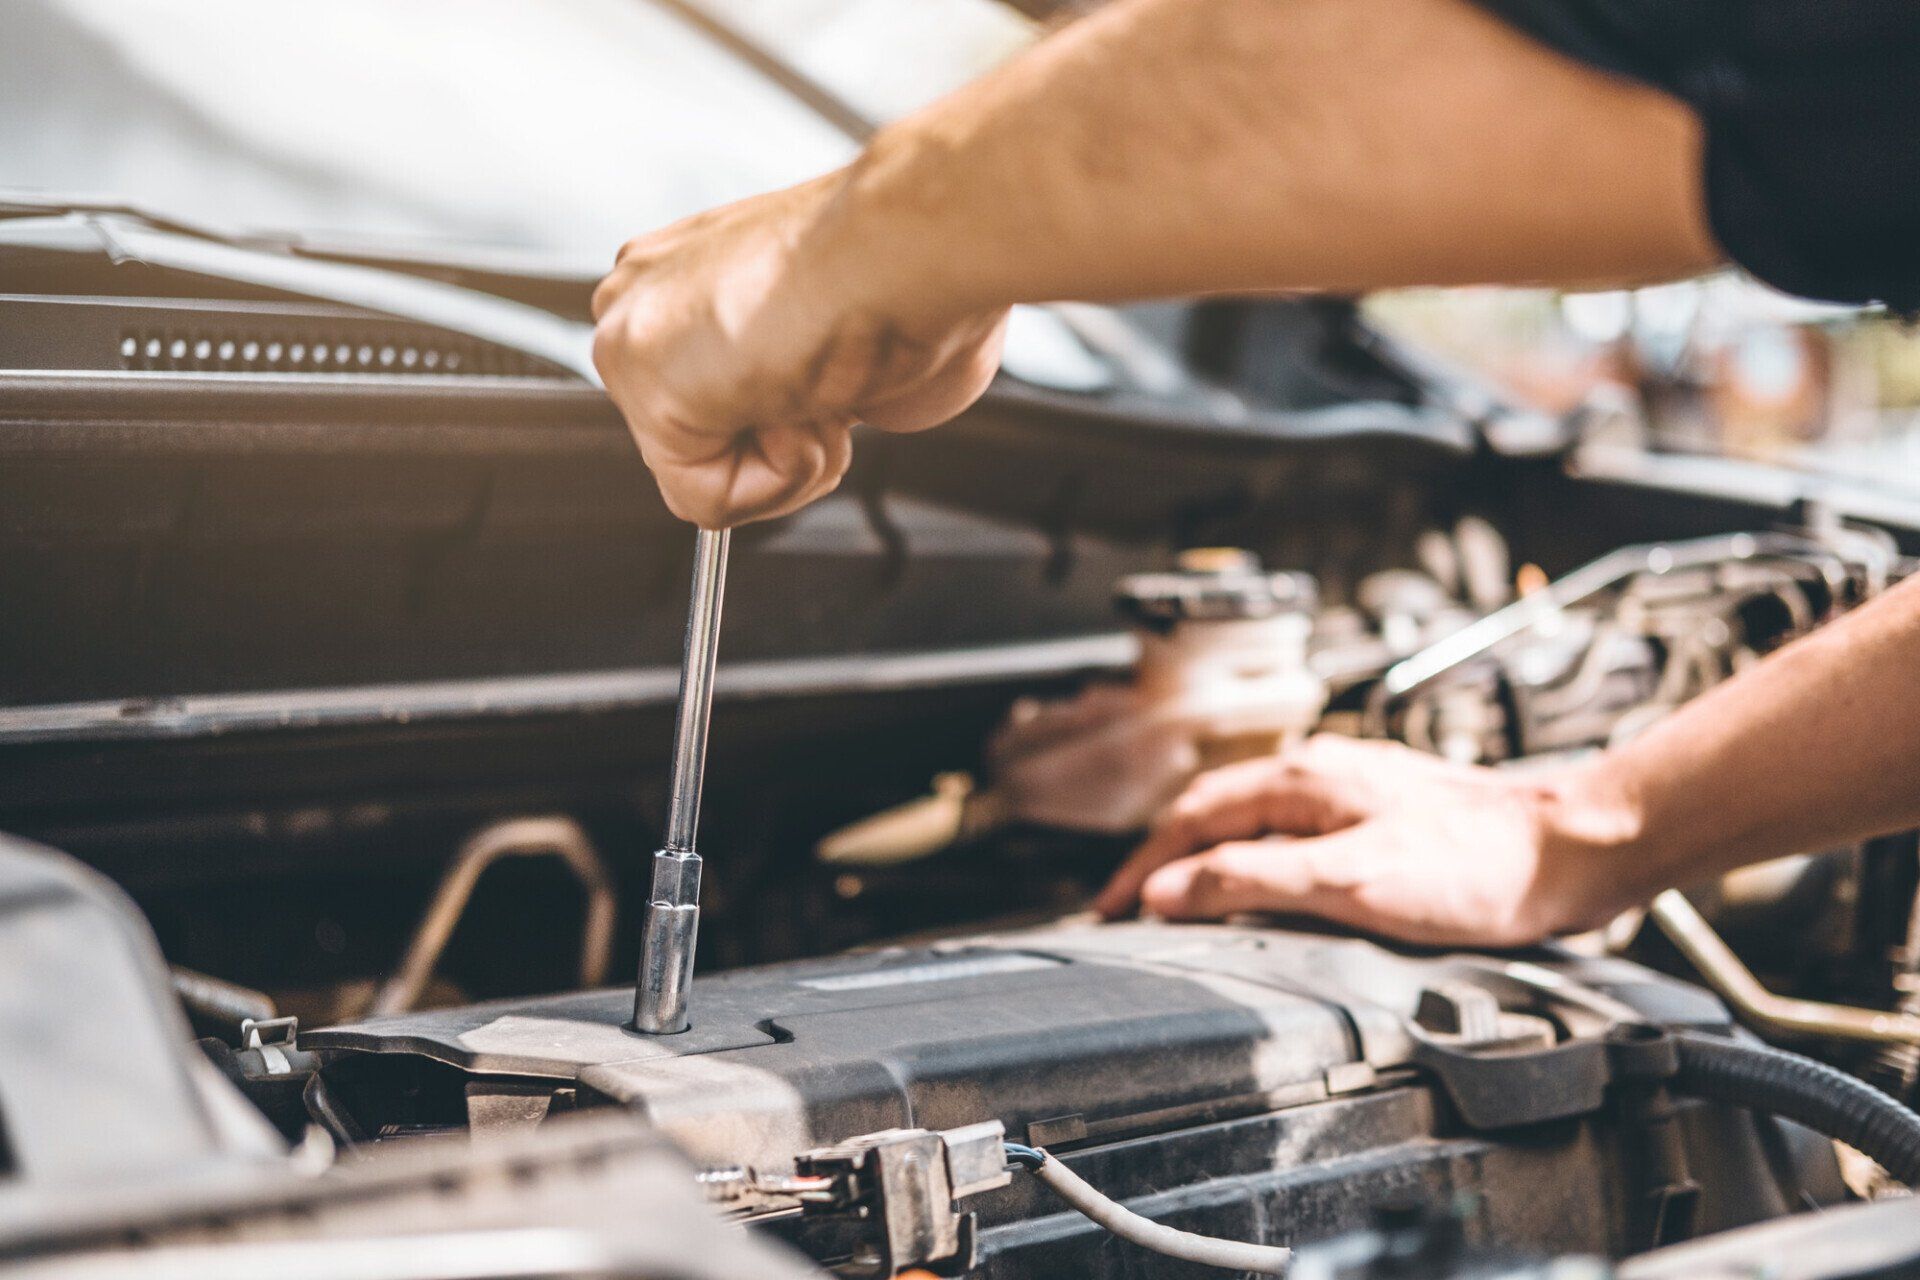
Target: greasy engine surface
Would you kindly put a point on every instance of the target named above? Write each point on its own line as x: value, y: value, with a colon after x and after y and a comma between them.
x: 1254, y: 1083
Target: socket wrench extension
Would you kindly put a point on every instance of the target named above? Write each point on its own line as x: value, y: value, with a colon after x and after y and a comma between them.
x: 672, y: 917
x: 673, y: 911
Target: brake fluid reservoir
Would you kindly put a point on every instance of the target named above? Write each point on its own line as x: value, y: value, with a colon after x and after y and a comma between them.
x: 1228, y: 643
x: 1222, y: 675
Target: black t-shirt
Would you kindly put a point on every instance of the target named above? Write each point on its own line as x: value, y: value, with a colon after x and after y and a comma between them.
x: 1812, y: 115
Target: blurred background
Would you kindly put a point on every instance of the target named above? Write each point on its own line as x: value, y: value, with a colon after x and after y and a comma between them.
x: 555, y: 129
x: 546, y: 134
x: 1719, y: 366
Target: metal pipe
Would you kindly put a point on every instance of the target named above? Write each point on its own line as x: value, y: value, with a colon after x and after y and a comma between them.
x: 673, y: 910
x: 1481, y: 637
x: 1760, y: 1008
x: 547, y: 836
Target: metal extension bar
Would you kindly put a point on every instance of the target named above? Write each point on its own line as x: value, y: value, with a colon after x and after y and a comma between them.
x: 673, y: 912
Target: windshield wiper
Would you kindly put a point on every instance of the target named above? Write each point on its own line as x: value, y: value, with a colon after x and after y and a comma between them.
x: 20, y: 203
x: 424, y: 257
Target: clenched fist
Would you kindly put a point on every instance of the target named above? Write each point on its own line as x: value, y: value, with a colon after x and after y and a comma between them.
x: 743, y: 343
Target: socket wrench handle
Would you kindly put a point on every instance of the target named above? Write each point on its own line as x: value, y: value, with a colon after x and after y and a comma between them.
x: 673, y: 910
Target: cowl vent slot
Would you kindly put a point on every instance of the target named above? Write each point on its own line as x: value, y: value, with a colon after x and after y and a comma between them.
x: 279, y: 340
x: 318, y: 351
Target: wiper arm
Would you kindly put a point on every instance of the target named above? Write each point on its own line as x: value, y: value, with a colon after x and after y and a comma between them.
x: 18, y: 203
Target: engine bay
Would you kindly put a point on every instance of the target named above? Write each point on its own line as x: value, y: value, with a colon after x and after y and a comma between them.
x: 350, y: 664
x: 1005, y: 1098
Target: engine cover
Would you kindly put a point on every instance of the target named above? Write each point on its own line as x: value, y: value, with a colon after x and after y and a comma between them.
x: 1256, y: 1083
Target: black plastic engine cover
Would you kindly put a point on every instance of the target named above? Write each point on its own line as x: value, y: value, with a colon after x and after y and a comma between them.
x: 1259, y: 1083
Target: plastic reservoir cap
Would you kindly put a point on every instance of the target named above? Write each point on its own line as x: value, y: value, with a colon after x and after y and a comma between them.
x: 1217, y: 560
x: 1213, y: 583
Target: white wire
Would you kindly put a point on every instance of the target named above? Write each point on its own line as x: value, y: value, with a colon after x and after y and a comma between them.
x: 1207, y: 1251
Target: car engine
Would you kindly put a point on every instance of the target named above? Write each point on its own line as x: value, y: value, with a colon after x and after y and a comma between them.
x: 1058, y: 1097
x: 350, y: 663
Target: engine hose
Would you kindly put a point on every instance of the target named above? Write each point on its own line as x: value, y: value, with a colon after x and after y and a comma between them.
x: 217, y: 1007
x: 1810, y: 1093
x: 1206, y: 1251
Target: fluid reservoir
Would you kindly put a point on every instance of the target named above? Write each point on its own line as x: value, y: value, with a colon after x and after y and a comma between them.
x: 1222, y: 675
x: 1227, y: 643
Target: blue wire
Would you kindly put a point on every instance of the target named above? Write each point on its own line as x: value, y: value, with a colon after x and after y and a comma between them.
x: 1028, y: 1158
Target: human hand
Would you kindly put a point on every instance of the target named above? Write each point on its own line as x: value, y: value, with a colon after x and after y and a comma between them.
x: 1385, y: 839
x: 743, y: 343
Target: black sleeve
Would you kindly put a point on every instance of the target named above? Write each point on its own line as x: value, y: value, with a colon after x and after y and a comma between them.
x: 1812, y: 117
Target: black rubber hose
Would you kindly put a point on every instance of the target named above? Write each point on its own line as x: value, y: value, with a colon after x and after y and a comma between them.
x: 217, y: 1007
x: 1822, y: 1098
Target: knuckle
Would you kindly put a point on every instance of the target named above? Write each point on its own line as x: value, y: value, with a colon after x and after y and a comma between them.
x: 604, y: 295
x: 828, y: 480
x: 1292, y: 774
x: 1210, y: 880
x: 1213, y: 890
x: 608, y: 346
x: 1236, y: 866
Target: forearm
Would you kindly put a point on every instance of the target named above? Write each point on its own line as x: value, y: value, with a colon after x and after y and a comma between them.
x: 1185, y: 146
x: 1814, y: 748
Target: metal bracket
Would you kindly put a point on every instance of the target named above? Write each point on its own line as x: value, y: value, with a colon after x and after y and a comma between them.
x: 1502, y: 1069
x: 905, y: 1183
x: 272, y: 1037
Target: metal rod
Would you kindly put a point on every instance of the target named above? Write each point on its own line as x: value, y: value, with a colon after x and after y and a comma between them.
x: 696, y: 688
x: 673, y: 910
x: 1758, y: 1007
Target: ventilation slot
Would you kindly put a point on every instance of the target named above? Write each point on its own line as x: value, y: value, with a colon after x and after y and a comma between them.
x: 371, y: 351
